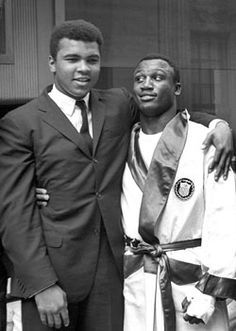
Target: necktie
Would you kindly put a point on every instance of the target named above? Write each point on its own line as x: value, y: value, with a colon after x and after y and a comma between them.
x: 84, y: 131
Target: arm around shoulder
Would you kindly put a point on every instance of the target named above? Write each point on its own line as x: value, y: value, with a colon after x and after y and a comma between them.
x: 221, y: 137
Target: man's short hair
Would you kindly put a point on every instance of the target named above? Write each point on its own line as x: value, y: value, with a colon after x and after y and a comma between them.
x: 176, y: 74
x: 75, y: 30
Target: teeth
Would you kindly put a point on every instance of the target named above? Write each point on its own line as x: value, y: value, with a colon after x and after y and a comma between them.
x: 82, y: 80
x: 147, y: 97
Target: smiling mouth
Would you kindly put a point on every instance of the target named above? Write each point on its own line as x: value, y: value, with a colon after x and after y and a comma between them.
x: 82, y: 80
x: 147, y: 97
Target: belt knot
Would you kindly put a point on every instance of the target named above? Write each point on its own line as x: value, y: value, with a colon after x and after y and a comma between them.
x: 139, y: 247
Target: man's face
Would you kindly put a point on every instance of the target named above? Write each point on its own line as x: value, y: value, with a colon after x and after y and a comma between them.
x: 76, y: 67
x: 154, y: 88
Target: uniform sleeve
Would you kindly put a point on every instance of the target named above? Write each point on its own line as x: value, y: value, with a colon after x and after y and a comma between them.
x: 20, y: 225
x: 219, y: 235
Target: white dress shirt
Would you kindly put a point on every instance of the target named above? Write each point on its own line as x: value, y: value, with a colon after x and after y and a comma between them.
x: 70, y: 109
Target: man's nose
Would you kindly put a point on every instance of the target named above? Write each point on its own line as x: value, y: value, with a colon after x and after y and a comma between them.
x: 147, y: 83
x: 82, y: 66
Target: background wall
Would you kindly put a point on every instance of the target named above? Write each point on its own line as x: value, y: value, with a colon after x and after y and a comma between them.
x: 200, y: 35
x: 25, y: 77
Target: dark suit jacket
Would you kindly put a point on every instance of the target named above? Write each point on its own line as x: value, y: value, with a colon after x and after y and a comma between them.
x: 3, y: 287
x: 40, y: 147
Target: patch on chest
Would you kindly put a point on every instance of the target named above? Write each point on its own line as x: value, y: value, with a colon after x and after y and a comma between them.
x: 184, y: 188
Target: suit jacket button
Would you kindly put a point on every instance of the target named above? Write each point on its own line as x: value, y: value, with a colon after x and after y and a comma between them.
x: 98, y: 195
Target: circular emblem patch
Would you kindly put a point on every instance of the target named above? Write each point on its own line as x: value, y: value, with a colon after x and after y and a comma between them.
x: 184, y: 188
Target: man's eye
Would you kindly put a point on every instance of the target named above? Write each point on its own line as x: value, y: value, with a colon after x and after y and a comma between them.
x: 158, y: 77
x: 71, y: 59
x: 93, y: 60
x: 139, y: 79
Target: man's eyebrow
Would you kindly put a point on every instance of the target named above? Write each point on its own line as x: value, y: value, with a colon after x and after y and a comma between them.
x: 94, y: 55
x: 71, y: 54
x: 138, y: 72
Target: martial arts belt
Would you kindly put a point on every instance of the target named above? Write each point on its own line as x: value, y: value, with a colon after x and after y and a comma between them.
x: 150, y: 257
x: 156, y: 183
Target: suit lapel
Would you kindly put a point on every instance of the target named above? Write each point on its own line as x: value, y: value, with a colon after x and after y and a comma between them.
x: 97, y: 107
x: 51, y: 114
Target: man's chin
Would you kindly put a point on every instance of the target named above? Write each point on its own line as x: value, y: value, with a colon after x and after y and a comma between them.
x: 79, y: 94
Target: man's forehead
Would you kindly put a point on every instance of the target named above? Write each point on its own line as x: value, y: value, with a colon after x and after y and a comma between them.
x: 67, y: 42
x: 153, y: 64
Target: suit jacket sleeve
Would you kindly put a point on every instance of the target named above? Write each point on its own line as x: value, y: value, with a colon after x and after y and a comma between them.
x: 202, y: 118
x: 3, y: 287
x: 133, y: 107
x: 20, y: 224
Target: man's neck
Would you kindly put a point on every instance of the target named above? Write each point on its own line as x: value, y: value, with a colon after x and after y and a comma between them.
x: 56, y: 94
x: 152, y: 125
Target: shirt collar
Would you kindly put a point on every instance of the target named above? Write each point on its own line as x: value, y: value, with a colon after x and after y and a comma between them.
x: 64, y: 102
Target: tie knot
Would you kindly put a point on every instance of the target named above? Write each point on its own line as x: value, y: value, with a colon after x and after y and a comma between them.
x: 81, y: 104
x: 83, y: 108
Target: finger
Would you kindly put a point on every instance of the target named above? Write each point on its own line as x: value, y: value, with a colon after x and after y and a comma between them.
x: 220, y: 169
x: 199, y: 321
x: 57, y: 321
x: 65, y: 317
x: 227, y: 167
x: 43, y: 318
x: 187, y: 317
x: 192, y: 320
x: 207, y: 141
x: 215, y: 162
x: 41, y: 190
x: 50, y: 320
x: 42, y: 196
x: 185, y: 305
x: 196, y: 320
x: 42, y: 203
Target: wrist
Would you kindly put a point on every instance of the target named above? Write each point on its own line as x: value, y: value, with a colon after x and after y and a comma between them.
x: 224, y: 123
x: 214, y: 123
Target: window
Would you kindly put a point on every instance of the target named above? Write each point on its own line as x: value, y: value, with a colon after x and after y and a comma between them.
x: 208, y: 53
x: 6, y: 49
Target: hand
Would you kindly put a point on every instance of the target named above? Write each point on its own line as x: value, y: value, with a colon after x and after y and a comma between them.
x: 197, y: 306
x: 52, y: 307
x: 42, y: 196
x: 221, y: 137
x: 188, y: 318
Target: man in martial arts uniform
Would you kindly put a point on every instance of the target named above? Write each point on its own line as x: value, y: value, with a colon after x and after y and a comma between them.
x: 180, y: 255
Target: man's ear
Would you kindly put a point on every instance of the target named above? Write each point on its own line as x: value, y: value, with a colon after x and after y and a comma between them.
x: 51, y: 63
x: 177, y: 89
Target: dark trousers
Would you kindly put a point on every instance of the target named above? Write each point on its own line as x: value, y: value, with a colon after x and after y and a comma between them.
x: 2, y: 316
x: 102, y: 310
x: 3, y: 287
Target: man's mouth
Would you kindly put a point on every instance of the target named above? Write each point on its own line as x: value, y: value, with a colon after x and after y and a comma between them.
x: 147, y: 97
x: 82, y: 80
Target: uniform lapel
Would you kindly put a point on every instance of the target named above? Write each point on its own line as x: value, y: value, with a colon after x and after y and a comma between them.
x: 97, y: 107
x: 51, y: 114
x: 161, y: 175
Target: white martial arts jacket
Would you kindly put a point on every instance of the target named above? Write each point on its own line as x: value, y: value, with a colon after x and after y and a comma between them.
x: 189, y: 206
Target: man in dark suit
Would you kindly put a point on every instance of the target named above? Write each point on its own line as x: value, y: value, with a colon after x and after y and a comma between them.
x: 72, y: 140
x: 3, y: 288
